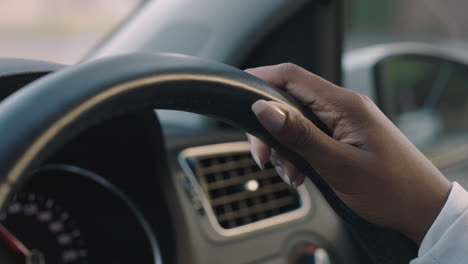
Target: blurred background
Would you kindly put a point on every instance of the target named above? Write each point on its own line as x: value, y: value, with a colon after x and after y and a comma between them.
x: 66, y: 30
x: 441, y: 22
x: 59, y: 30
x: 427, y: 99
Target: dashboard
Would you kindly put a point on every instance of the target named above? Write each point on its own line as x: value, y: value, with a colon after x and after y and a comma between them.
x: 87, y: 203
x: 145, y: 178
x: 127, y: 191
x: 67, y: 214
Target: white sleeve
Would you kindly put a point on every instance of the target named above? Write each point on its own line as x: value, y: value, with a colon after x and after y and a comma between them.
x: 447, y: 239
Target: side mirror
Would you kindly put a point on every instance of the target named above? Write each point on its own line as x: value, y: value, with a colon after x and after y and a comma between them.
x: 423, y: 89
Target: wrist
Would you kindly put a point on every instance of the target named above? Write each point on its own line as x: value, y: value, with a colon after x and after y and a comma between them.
x: 427, y: 211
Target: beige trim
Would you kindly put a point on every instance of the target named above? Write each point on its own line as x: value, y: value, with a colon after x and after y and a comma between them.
x: 5, y: 189
x: 23, y: 162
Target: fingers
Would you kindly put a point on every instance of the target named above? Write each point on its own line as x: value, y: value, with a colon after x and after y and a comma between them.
x: 260, y: 151
x: 286, y: 170
x: 295, y: 131
x: 330, y: 103
x: 307, y: 87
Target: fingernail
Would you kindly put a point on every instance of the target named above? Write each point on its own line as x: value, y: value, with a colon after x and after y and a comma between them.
x: 271, y: 117
x: 299, y: 180
x: 282, y: 173
x: 257, y: 160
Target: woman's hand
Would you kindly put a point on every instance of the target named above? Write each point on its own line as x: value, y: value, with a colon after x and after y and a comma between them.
x: 368, y: 162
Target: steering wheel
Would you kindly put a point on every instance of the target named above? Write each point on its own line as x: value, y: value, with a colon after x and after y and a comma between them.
x: 71, y: 100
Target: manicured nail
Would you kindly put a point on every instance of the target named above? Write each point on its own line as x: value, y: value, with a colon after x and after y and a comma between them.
x: 271, y: 117
x: 299, y: 180
x: 257, y: 160
x: 282, y: 173
x: 293, y: 184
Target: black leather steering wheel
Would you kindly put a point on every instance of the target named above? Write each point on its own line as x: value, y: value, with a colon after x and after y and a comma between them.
x: 44, y: 115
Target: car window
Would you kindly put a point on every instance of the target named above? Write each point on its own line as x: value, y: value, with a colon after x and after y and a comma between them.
x: 58, y: 30
x: 370, y: 22
x: 427, y: 100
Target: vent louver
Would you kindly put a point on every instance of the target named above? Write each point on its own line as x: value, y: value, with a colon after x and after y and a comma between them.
x: 239, y: 193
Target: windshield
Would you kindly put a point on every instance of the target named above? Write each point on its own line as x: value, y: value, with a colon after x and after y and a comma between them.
x: 57, y: 30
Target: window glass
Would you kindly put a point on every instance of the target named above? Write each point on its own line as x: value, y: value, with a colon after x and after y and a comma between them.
x: 62, y: 31
x: 427, y: 99
x: 439, y: 22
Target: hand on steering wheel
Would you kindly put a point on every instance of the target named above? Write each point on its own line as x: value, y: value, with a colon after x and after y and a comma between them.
x: 367, y: 161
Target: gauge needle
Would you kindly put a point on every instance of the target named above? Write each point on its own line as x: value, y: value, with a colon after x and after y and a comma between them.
x: 13, y: 242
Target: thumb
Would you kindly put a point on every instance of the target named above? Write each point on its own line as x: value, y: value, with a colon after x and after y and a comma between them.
x: 296, y: 132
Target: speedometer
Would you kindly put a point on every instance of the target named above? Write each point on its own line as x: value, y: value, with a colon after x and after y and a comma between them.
x: 56, y: 234
x: 70, y: 215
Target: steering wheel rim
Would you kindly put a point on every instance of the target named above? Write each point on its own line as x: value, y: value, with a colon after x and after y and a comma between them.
x: 98, y: 90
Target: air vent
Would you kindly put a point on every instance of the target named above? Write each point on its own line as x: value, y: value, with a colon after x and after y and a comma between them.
x: 237, y: 193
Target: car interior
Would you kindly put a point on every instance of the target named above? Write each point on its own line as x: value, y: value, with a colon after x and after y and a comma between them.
x: 138, y: 153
